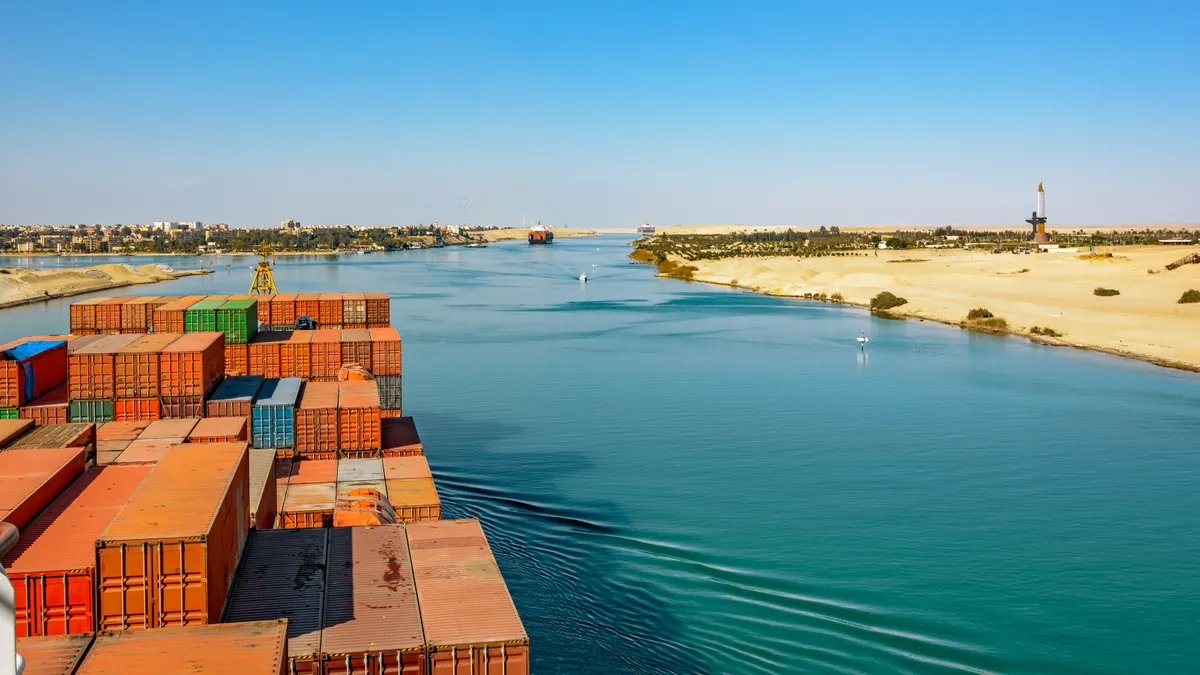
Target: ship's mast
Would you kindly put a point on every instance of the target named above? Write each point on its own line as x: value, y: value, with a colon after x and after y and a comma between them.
x: 264, y: 280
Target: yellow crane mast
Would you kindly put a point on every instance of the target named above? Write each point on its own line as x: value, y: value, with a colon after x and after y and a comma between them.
x: 264, y: 280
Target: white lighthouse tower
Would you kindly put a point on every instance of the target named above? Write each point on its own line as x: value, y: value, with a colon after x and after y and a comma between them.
x: 1038, y: 220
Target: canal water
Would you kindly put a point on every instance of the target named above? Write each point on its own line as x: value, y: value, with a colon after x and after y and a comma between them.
x: 680, y: 478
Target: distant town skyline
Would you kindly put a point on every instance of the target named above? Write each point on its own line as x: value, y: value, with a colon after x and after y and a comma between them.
x: 600, y: 115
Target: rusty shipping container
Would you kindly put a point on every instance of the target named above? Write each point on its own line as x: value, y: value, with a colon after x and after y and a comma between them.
x: 83, y: 316
x: 309, y: 305
x: 235, y: 396
x: 329, y: 310
x: 53, y: 565
x: 32, y: 478
x: 108, y: 315
x: 30, y: 367
x: 400, y: 438
x: 137, y: 315
x: 326, y: 355
x: 470, y: 622
x: 372, y: 625
x: 58, y: 436
x: 307, y: 505
x: 220, y: 430
x: 192, y: 364
x: 385, y: 352
x: 168, y: 557
x: 354, y: 310
x: 258, y: 648
x: 283, y: 577
x: 265, y: 354
x: 53, y: 655
x: 169, y: 318
x: 358, y: 416
x: 49, y: 408
x: 237, y: 359
x: 378, y: 309
x: 282, y: 313
x: 11, y: 430
x: 132, y: 409
x: 263, y: 505
x: 295, y: 355
x: 317, y: 419
x: 182, y: 406
x: 93, y: 367
x: 117, y: 435
x: 146, y: 452
x: 138, y: 366
x: 168, y: 429
x: 356, y: 347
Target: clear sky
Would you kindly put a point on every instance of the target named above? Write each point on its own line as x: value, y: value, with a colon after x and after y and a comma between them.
x: 604, y: 114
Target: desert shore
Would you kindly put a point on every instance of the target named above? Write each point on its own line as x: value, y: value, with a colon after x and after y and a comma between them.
x: 19, y: 286
x: 511, y: 233
x: 1052, y: 290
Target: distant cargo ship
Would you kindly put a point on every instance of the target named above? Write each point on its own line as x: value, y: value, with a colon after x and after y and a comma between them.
x: 538, y: 234
x: 646, y: 229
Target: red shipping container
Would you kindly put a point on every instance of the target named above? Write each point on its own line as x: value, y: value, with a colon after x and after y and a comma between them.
x: 49, y: 408
x: 220, y: 430
x: 317, y: 419
x: 237, y: 359
x: 329, y: 310
x: 265, y: 355
x: 378, y: 310
x: 295, y: 355
x: 354, y: 310
x: 400, y: 438
x: 176, y: 407
x: 358, y: 416
x: 308, y: 304
x: 108, y: 315
x: 136, y: 409
x: 137, y: 315
x: 168, y: 557
x: 93, y: 367
x: 282, y: 311
x: 30, y: 367
x: 326, y: 354
x: 32, y: 478
x: 53, y: 565
x: 83, y: 315
x: 385, y: 352
x: 192, y: 364
x: 356, y: 347
x: 169, y: 318
x: 138, y: 365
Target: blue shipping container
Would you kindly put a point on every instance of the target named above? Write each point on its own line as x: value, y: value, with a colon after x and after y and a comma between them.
x: 273, y: 418
x: 238, y: 388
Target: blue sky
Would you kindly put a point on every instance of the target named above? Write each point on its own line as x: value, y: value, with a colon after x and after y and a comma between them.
x: 599, y: 113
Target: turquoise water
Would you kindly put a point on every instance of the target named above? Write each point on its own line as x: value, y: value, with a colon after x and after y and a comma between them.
x: 678, y: 478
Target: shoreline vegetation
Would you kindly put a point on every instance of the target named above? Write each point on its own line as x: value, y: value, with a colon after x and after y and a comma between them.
x: 23, y: 286
x: 1109, y: 296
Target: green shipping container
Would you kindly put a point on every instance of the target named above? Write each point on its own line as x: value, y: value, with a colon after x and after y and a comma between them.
x: 238, y: 320
x: 202, y: 316
x: 10, y: 413
x: 82, y: 410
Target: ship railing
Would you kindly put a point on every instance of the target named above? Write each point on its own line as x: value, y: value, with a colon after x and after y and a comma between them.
x: 11, y: 662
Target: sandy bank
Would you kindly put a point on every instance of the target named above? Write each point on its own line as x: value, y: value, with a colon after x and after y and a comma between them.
x: 20, y: 286
x: 511, y: 233
x: 1052, y: 290
x: 727, y: 229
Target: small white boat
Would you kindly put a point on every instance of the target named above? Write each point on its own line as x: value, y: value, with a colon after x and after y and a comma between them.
x: 862, y: 339
x: 583, y: 276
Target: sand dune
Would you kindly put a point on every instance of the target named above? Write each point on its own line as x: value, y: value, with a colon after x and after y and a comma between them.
x: 1052, y: 290
x: 20, y: 285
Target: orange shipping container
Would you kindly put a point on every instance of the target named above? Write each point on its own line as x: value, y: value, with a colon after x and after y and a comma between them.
x: 295, y: 355
x: 112, y: 436
x: 54, y: 655
x: 257, y: 648
x: 470, y: 622
x: 265, y: 354
x: 192, y: 364
x: 108, y: 315
x: 169, y: 556
x: 262, y: 488
x: 172, y: 428
x: 414, y: 499
x: 326, y: 355
x: 317, y: 419
x: 354, y: 310
x: 356, y: 347
x: 378, y: 309
x: 400, y: 468
x: 137, y: 366
x: 83, y: 315
x: 147, y: 451
x: 329, y: 310
x: 358, y: 416
x: 49, y: 408
x: 313, y: 471
x: 137, y: 315
x: 133, y: 409
x: 11, y: 430
x: 308, y: 304
x: 169, y: 318
x: 32, y: 478
x: 385, y: 352
x: 400, y: 438
x: 371, y: 620
x: 53, y: 565
x: 219, y: 430
x: 93, y: 367
x: 237, y: 359
x: 282, y: 311
x: 81, y: 435
x: 307, y: 505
